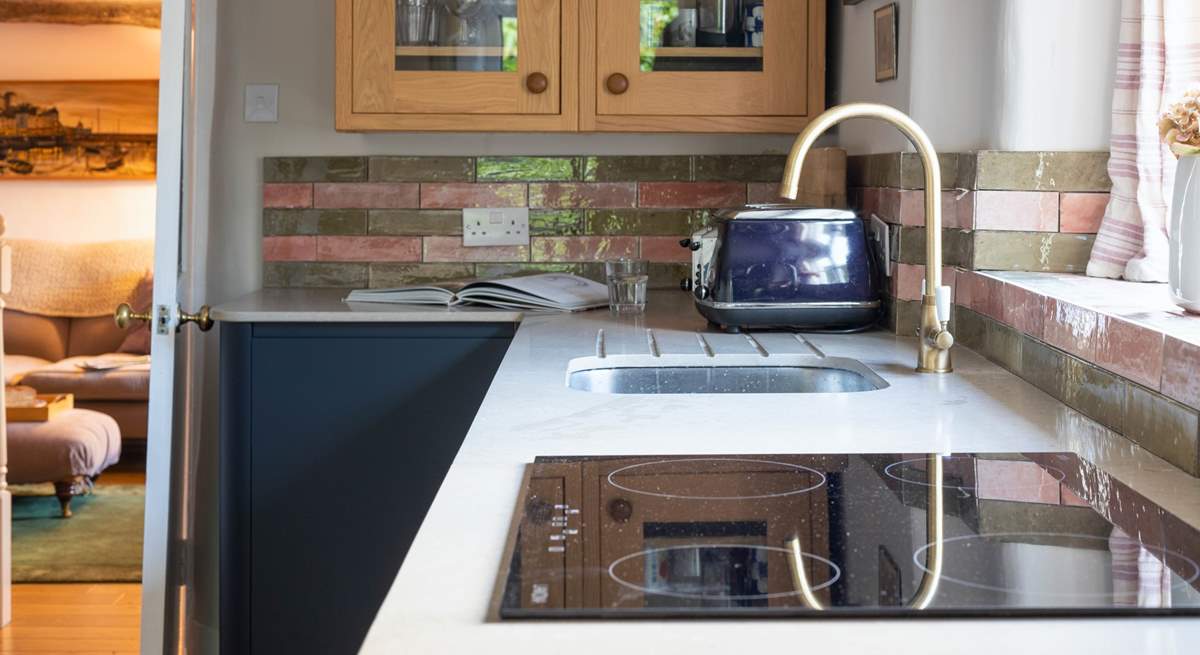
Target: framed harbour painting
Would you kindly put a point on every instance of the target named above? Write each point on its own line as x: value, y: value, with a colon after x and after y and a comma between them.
x: 887, y: 43
x: 78, y: 129
x: 142, y: 13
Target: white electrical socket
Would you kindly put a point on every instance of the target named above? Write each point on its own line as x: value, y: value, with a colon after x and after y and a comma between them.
x: 262, y: 103
x: 496, y: 227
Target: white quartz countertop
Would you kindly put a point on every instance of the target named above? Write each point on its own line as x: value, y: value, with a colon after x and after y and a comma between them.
x: 327, y: 306
x: 439, y: 601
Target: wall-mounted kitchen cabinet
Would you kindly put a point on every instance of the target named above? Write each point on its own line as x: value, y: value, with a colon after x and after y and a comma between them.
x: 580, y: 65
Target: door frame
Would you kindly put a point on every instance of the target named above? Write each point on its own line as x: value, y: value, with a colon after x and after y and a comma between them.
x: 591, y: 80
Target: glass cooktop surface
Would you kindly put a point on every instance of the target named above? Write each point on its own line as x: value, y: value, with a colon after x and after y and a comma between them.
x: 840, y: 535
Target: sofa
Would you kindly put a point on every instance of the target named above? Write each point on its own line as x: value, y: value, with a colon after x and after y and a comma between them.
x: 60, y: 314
x: 43, y: 352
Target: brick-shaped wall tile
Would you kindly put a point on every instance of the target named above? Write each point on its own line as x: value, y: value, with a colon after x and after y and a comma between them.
x: 451, y: 249
x: 583, y: 195
x: 692, y: 195
x: 422, y: 169
x: 1024, y: 310
x: 369, y: 249
x: 287, y: 196
x: 637, y: 168
x: 366, y: 195
x: 473, y: 196
x: 416, y: 222
x: 289, y: 249
x: 1023, y: 482
x: 528, y: 169
x: 1181, y: 371
x: 315, y: 169
x: 1130, y: 350
x: 1029, y: 211
x: 1072, y: 328
x: 384, y: 276
x: 906, y: 281
x: 1082, y: 213
x: 647, y: 222
x: 583, y: 249
x: 980, y: 293
x: 314, y: 275
x: 664, y: 249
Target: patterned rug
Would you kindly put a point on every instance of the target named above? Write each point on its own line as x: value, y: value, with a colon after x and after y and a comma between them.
x: 102, y: 542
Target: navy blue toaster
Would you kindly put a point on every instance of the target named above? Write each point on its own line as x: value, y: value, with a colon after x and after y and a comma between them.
x: 778, y: 266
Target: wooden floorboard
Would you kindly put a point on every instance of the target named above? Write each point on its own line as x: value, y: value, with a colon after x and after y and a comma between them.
x: 73, y: 619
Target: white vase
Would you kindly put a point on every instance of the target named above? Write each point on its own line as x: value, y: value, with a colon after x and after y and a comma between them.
x: 1185, y: 235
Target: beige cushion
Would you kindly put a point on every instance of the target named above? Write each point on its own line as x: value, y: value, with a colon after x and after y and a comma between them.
x: 129, y: 383
x: 93, y: 336
x: 131, y: 416
x: 76, y: 442
x: 16, y: 366
x: 36, y: 335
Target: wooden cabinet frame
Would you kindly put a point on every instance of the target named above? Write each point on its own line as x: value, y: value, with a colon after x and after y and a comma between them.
x: 528, y: 114
x: 579, y: 84
x: 592, y: 81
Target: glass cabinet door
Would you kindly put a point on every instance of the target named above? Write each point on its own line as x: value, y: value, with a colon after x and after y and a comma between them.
x: 457, y: 56
x: 703, y: 57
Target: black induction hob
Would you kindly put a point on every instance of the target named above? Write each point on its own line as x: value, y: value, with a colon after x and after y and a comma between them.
x: 1036, y: 534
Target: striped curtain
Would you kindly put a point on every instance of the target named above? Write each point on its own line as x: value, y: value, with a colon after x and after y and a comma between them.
x: 1158, y: 58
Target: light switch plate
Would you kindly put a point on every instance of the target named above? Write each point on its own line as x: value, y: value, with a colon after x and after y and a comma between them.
x: 496, y: 227
x: 262, y: 103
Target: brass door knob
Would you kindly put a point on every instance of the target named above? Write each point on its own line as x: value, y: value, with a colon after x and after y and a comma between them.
x: 201, y: 319
x: 537, y: 83
x: 617, y: 84
x: 125, y: 316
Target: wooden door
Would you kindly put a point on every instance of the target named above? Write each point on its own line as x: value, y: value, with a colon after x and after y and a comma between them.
x: 646, y: 70
x: 501, y: 64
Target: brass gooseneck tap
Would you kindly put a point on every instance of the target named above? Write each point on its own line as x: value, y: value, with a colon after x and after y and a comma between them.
x: 935, y: 338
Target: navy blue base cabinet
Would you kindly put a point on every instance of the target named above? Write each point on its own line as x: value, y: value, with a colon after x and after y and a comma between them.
x: 334, y: 441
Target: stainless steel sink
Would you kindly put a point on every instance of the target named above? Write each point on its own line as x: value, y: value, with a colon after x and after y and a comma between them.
x: 698, y: 374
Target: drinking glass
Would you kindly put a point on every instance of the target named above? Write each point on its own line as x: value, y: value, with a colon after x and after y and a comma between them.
x: 414, y: 20
x: 627, y: 282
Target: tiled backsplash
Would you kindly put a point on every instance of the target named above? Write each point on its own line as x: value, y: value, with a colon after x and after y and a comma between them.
x: 1001, y: 211
x: 390, y: 221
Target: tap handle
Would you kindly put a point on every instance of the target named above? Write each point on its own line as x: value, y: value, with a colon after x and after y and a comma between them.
x: 944, y: 297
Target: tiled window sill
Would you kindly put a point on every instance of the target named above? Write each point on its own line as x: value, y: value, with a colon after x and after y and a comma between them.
x: 1120, y: 352
x: 1129, y: 328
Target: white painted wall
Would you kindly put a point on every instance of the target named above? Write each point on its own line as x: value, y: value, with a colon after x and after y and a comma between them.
x: 78, y: 210
x: 977, y: 74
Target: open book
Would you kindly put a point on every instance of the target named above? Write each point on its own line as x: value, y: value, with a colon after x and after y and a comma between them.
x: 554, y: 291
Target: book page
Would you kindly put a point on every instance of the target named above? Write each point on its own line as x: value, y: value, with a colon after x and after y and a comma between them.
x: 560, y: 289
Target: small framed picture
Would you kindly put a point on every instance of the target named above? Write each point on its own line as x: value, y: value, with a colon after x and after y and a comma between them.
x: 887, y: 47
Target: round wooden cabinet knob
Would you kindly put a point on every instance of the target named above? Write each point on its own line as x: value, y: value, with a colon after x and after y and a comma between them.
x: 537, y: 83
x: 617, y: 84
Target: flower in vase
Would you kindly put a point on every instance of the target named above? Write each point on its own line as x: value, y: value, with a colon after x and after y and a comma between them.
x: 1180, y: 125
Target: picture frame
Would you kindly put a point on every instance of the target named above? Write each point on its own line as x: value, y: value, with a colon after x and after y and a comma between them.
x: 78, y: 129
x: 887, y: 43
x: 140, y: 13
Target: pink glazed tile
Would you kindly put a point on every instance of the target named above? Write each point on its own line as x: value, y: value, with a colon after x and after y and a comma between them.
x: 1023, y: 309
x: 1130, y: 350
x: 1082, y: 212
x: 366, y: 196
x: 369, y: 249
x: 464, y: 195
x: 1072, y: 328
x: 907, y: 279
x: 664, y: 249
x: 1181, y: 371
x: 1070, y: 498
x: 1023, y: 482
x: 287, y: 196
x: 289, y: 249
x: 1029, y: 211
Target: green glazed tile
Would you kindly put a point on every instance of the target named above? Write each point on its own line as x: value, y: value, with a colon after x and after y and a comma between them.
x: 290, y: 222
x: 638, y: 169
x: 1093, y: 392
x: 1163, y: 427
x: 422, y: 169
x: 556, y: 222
x: 1004, y: 345
x: 1042, y: 171
x: 314, y: 275
x: 643, y: 222
x: 970, y: 329
x: 416, y: 222
x: 907, y: 317
x: 1041, y: 365
x: 911, y: 172
x: 1031, y: 251
x: 528, y: 169
x: 958, y: 247
x: 384, y: 276
x: 739, y: 168
x: 314, y: 169
x: 1078, y: 527
x: 909, y: 245
x: 338, y: 222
